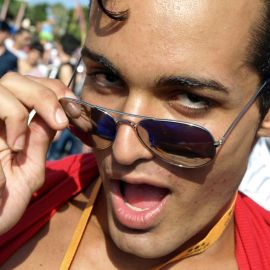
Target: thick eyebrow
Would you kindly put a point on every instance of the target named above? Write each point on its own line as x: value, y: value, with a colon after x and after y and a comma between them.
x: 192, y: 83
x: 100, y: 59
x: 172, y: 81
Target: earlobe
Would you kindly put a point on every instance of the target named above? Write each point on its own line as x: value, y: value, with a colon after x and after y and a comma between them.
x: 264, y: 129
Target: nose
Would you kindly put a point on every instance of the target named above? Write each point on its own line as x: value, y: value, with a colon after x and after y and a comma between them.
x: 127, y: 148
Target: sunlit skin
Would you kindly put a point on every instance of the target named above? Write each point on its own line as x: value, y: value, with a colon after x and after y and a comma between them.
x: 205, y: 40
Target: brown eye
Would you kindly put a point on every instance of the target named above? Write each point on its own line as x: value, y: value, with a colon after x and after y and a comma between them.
x: 105, y: 79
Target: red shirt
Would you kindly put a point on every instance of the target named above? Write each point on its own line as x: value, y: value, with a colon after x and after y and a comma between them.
x: 67, y: 177
x: 252, y: 234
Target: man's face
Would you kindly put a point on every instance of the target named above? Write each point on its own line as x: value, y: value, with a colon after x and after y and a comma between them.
x: 33, y: 57
x: 23, y: 40
x: 152, y: 207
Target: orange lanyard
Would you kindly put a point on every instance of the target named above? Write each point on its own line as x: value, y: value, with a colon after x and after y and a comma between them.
x: 78, y: 233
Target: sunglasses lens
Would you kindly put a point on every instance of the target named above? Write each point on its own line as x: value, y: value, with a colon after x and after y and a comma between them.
x: 178, y: 143
x: 92, y: 126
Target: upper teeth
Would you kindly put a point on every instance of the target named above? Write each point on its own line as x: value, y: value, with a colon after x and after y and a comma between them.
x: 135, y: 208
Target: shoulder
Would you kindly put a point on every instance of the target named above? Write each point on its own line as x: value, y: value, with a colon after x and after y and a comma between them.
x: 248, y: 212
x: 9, y: 56
x: 78, y: 170
x: 66, y: 66
x: 252, y: 223
x: 256, y: 181
x: 65, y: 72
x: 65, y: 179
x: 72, y: 161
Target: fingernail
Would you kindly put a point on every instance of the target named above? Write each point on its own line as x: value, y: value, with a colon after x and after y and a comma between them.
x: 19, y: 143
x: 60, y: 116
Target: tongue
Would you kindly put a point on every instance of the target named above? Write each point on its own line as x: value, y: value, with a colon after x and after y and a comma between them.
x: 144, y: 196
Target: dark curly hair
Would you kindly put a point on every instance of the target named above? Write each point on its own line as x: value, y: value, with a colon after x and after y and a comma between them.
x: 118, y: 16
x: 258, y: 52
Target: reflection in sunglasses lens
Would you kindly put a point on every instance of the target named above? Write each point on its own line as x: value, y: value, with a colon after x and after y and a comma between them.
x: 178, y: 143
x: 104, y: 125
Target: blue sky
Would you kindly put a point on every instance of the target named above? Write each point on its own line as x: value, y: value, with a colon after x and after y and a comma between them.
x: 67, y: 3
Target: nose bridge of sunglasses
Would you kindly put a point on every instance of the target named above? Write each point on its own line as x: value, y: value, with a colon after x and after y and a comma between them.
x: 121, y: 120
x: 125, y: 118
x: 142, y: 135
x: 127, y: 122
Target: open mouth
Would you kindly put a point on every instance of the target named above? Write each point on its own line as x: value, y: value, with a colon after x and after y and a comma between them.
x: 141, y: 197
x: 138, y: 206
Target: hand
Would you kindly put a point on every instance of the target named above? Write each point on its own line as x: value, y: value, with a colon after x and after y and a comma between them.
x: 23, y: 147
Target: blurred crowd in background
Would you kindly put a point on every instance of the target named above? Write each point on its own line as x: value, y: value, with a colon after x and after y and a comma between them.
x: 38, y: 51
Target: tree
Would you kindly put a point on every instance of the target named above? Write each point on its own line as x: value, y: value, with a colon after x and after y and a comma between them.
x: 73, y: 26
x: 13, y: 7
x: 60, y: 15
x: 64, y: 20
x: 37, y: 13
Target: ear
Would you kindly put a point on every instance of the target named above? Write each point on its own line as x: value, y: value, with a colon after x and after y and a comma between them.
x: 264, y: 129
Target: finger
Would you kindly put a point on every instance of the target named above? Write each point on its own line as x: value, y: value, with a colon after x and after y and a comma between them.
x: 37, y: 96
x: 40, y: 136
x: 80, y: 122
x: 2, y: 183
x: 14, y: 116
x: 60, y: 89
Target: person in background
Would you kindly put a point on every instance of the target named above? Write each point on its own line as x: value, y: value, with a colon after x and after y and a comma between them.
x: 256, y: 181
x: 65, y: 143
x: 20, y: 43
x: 66, y: 48
x: 10, y: 19
x: 31, y: 65
x: 8, y: 61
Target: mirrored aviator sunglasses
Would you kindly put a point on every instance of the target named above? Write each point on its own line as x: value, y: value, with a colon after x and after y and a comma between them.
x: 179, y: 143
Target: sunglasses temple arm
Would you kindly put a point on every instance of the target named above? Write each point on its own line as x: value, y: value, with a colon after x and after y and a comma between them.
x: 242, y: 113
x: 74, y: 72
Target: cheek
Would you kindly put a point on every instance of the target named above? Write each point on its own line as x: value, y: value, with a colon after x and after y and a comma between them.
x: 235, y: 152
x: 230, y: 164
x: 102, y: 160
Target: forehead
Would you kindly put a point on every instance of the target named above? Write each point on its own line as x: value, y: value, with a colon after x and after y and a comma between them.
x: 209, y: 33
x: 34, y: 51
